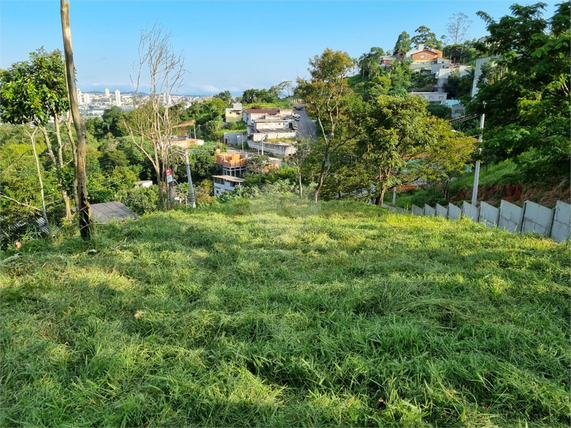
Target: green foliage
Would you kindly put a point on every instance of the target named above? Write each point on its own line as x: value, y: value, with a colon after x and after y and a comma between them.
x: 370, y: 63
x: 526, y: 91
x: 225, y: 96
x: 260, y: 95
x: 328, y: 98
x: 461, y: 53
x: 204, y: 193
x: 426, y: 37
x: 111, y: 124
x: 403, y: 44
x: 112, y: 159
x: 279, y: 312
x: 140, y: 200
x: 402, y: 143
x: 440, y: 110
x: 34, y: 90
x: 459, y: 88
x: 19, y: 180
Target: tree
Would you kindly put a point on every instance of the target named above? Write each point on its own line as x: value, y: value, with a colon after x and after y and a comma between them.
x: 459, y: 87
x: 150, y: 121
x: 403, y: 44
x: 458, y: 26
x: 297, y: 161
x: 34, y: 91
x: 426, y: 37
x: 370, y: 62
x: 82, y: 200
x: 440, y: 110
x: 327, y: 97
x: 225, y: 96
x: 526, y: 93
x: 403, y: 143
x: 460, y: 53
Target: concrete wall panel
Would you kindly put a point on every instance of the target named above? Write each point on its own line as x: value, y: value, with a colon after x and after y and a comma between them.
x: 417, y: 210
x: 510, y: 217
x: 428, y: 210
x: 561, y: 229
x: 441, y: 211
x: 454, y: 212
x: 536, y: 218
x: 470, y: 211
x: 489, y: 215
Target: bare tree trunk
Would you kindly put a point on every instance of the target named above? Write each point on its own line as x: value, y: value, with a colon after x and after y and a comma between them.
x: 64, y: 193
x: 83, y: 209
x: 58, y: 166
x: 74, y: 151
x: 44, y: 211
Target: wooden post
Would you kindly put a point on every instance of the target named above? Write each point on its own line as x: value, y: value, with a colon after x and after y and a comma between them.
x: 84, y: 209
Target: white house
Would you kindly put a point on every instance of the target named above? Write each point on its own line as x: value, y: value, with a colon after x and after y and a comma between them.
x: 225, y: 183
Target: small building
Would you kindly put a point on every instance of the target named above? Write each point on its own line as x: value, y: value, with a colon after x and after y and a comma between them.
x: 233, y: 114
x: 233, y: 164
x: 226, y: 183
x: 144, y: 183
x: 277, y: 148
x: 432, y: 97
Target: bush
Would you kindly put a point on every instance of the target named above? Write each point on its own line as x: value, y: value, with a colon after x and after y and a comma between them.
x: 141, y: 200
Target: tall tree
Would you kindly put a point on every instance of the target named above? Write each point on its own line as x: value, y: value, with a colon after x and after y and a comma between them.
x: 403, y: 44
x: 327, y: 96
x: 426, y: 37
x: 526, y: 94
x: 83, y: 208
x: 369, y: 63
x: 34, y: 91
x: 150, y: 121
x: 402, y: 142
x: 458, y: 26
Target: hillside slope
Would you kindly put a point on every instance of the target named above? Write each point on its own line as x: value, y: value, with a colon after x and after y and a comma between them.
x: 280, y: 313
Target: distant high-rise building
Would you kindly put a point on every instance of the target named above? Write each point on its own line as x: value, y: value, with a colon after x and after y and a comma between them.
x: 79, y: 96
x: 117, y: 98
x: 86, y: 98
x: 107, y: 92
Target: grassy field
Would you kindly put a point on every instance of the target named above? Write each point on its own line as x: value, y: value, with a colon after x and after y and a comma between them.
x: 282, y: 313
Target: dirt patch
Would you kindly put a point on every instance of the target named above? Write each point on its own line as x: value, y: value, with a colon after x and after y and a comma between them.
x: 518, y: 194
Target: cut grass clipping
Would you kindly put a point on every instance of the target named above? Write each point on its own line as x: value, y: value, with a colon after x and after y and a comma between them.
x: 276, y: 312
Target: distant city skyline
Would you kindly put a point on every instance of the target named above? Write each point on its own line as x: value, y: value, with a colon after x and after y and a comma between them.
x: 228, y: 45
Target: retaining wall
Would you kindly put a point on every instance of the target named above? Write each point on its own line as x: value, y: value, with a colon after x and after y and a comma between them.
x: 489, y: 215
x: 441, y: 211
x: 532, y: 218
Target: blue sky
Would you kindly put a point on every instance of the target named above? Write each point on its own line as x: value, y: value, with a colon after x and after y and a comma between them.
x: 232, y: 45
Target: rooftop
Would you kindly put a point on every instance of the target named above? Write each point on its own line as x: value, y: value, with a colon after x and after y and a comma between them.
x: 229, y: 178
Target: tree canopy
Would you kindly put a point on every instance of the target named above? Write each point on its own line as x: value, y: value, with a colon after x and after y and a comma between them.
x: 525, y: 92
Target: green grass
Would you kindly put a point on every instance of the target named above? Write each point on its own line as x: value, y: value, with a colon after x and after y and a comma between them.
x: 282, y: 313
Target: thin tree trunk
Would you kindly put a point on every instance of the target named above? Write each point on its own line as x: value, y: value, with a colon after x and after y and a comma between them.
x: 58, y: 166
x: 44, y: 211
x: 84, y: 209
x: 74, y: 151
x: 64, y: 193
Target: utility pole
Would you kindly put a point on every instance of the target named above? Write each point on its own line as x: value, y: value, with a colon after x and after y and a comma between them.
x: 477, y: 170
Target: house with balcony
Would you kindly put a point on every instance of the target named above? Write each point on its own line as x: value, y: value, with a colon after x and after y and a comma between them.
x: 226, y: 183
